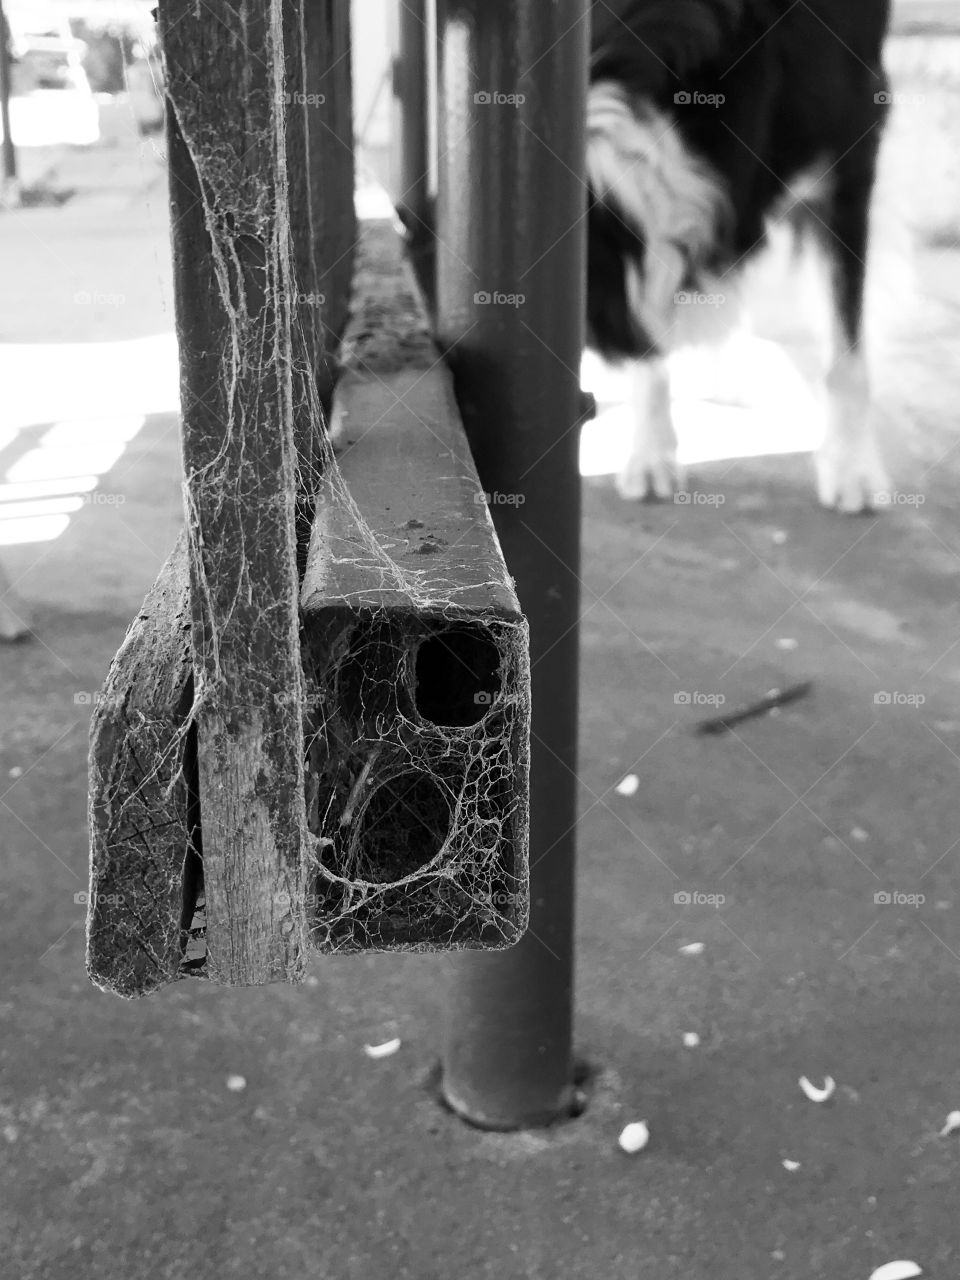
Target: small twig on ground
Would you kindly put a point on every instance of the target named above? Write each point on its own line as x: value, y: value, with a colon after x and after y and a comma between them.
x: 775, y: 698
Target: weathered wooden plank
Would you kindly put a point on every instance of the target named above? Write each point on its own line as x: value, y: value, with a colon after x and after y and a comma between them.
x: 416, y: 654
x: 234, y: 285
x: 142, y: 823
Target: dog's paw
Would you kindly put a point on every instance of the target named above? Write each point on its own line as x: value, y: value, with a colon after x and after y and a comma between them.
x: 651, y: 475
x: 852, y: 478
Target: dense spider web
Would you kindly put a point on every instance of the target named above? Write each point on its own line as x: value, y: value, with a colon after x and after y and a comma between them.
x: 415, y: 707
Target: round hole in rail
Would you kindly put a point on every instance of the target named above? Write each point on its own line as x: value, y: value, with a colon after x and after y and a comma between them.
x: 457, y: 675
x: 403, y: 826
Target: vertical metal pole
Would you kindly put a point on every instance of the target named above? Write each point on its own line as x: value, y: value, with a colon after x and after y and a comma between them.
x: 9, y: 161
x: 411, y: 91
x: 510, y: 302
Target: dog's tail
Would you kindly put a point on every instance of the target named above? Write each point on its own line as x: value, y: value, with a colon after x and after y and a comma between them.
x: 642, y: 172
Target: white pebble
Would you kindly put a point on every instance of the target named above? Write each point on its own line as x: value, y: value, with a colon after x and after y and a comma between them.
x: 779, y: 537
x: 236, y: 1084
x: 791, y: 1166
x: 691, y: 949
x: 859, y: 835
x: 381, y: 1050
x: 629, y: 786
x: 634, y: 1137
x: 952, y: 1125
x: 815, y: 1094
x: 690, y: 1040
x: 897, y: 1271
x: 785, y: 642
x: 16, y: 772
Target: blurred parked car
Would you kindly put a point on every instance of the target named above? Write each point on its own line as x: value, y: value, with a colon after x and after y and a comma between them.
x: 50, y: 96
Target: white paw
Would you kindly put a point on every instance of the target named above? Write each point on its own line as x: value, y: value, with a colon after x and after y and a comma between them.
x: 655, y: 473
x: 852, y: 478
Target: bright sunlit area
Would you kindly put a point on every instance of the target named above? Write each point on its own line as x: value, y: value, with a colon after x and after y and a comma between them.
x: 70, y: 410
x: 744, y: 400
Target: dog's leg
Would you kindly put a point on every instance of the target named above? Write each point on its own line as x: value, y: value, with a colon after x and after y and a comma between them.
x: 850, y: 473
x: 851, y: 476
x: 651, y: 470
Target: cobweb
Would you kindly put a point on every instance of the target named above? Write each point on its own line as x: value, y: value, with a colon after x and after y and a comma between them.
x: 415, y: 704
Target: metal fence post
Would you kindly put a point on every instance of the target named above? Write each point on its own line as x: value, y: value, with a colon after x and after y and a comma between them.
x: 510, y: 302
x: 412, y: 110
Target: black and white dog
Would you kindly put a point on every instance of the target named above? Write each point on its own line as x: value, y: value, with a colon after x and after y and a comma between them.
x: 705, y: 118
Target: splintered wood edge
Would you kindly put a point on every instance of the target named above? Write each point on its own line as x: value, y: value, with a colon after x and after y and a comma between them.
x: 138, y: 797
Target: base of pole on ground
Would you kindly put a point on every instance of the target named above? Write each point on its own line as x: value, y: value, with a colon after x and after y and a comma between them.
x: 572, y: 1103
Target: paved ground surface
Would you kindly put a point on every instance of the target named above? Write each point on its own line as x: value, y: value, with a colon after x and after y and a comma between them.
x: 125, y: 1154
